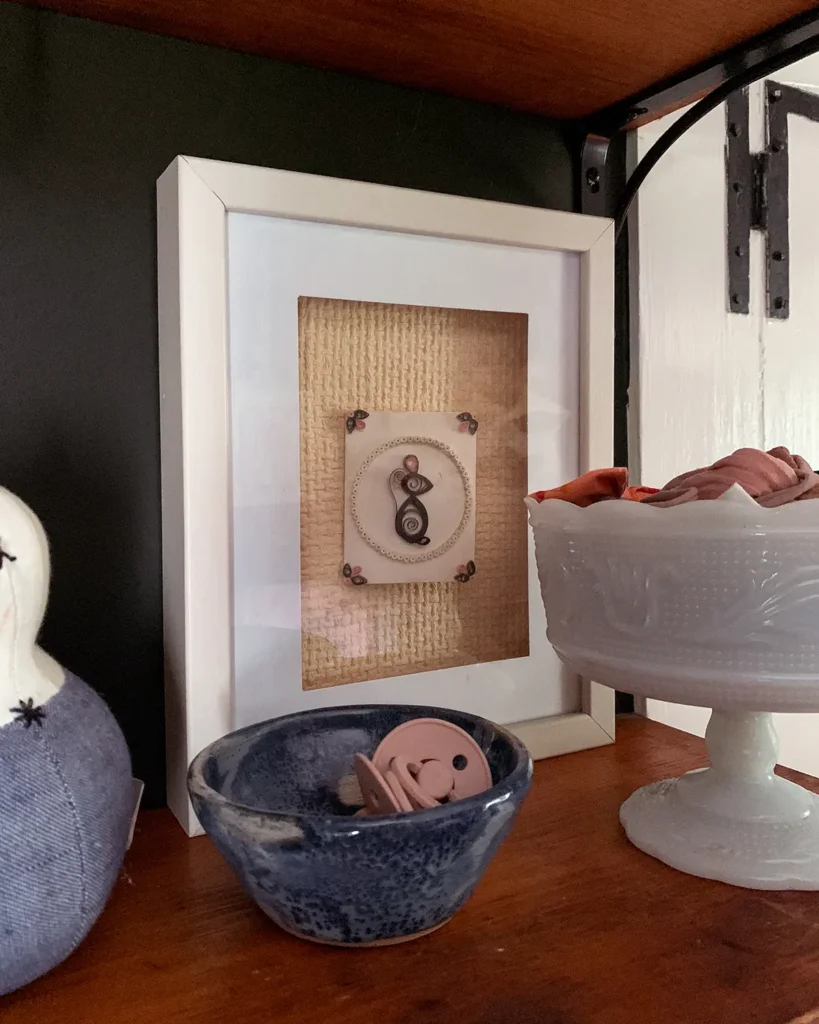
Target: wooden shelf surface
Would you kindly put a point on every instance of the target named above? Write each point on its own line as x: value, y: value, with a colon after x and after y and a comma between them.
x: 551, y: 57
x: 571, y: 925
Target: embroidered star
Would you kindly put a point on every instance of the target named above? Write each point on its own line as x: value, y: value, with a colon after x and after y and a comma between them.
x: 26, y: 712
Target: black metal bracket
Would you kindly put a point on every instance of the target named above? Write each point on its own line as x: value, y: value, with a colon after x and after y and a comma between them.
x: 702, y: 78
x: 595, y: 189
x: 757, y: 194
x: 602, y: 178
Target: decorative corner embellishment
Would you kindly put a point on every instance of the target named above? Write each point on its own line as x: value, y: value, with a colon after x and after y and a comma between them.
x: 352, y: 574
x: 355, y: 421
x: 6, y: 555
x: 465, y: 572
x: 468, y: 422
x: 26, y: 712
x: 411, y: 516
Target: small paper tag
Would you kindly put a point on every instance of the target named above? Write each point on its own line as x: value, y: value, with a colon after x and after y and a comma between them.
x: 139, y: 787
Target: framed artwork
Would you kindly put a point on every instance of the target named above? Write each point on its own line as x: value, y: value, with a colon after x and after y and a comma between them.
x: 359, y: 386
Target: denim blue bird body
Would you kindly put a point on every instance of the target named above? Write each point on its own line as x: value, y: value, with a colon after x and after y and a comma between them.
x: 66, y: 790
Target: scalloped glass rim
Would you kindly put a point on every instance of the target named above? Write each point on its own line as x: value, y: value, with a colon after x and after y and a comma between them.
x: 735, y: 510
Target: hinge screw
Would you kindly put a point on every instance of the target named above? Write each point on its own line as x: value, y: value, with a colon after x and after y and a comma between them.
x: 734, y: 299
x: 775, y: 95
x: 779, y: 302
x: 777, y: 146
x: 737, y: 187
x: 593, y: 179
x: 734, y: 130
x: 777, y: 255
x: 739, y: 251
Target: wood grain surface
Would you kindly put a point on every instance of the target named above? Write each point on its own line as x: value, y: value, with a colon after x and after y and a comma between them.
x: 548, y: 56
x: 571, y: 925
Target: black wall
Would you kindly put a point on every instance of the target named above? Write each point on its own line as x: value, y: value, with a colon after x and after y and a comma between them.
x: 90, y: 115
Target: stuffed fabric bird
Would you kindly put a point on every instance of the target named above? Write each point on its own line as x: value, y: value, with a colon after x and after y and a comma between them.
x: 66, y: 790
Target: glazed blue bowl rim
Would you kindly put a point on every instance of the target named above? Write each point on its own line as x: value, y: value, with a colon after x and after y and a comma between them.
x: 518, y: 779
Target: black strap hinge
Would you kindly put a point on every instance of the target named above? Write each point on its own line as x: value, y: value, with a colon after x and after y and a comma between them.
x: 757, y: 194
x: 759, y: 197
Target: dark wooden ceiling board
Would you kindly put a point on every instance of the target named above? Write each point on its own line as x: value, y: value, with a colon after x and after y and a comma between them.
x: 565, y: 60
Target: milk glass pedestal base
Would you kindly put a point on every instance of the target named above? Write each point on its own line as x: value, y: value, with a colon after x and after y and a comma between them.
x: 714, y: 603
x: 735, y: 821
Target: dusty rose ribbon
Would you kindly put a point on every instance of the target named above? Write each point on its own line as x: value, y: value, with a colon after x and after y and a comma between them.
x: 773, y: 478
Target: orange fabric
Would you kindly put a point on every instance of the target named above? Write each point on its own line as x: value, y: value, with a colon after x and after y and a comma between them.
x: 596, y: 485
x: 773, y: 478
x: 638, y: 493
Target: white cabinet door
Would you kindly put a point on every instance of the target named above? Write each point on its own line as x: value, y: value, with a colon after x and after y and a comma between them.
x: 706, y: 381
x: 791, y: 347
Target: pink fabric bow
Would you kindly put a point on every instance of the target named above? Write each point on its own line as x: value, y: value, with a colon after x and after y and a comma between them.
x: 773, y: 478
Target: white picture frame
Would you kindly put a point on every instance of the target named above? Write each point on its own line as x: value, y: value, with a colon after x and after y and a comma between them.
x: 194, y: 198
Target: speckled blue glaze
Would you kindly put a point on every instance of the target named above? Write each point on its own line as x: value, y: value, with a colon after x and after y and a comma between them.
x: 267, y: 797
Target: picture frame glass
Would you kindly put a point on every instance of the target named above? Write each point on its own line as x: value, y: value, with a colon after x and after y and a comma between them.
x: 425, y: 337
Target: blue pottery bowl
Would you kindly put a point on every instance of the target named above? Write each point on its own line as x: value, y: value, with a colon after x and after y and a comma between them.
x: 267, y: 796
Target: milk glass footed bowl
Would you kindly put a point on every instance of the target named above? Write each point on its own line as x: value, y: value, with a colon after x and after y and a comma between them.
x: 713, y: 603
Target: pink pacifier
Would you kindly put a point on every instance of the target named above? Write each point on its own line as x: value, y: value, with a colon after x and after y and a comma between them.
x: 450, y: 763
x: 418, y: 766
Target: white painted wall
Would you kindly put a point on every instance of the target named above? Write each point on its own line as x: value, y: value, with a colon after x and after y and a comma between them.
x: 707, y: 381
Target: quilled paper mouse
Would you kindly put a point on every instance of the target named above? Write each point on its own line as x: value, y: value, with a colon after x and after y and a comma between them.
x: 411, y: 516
